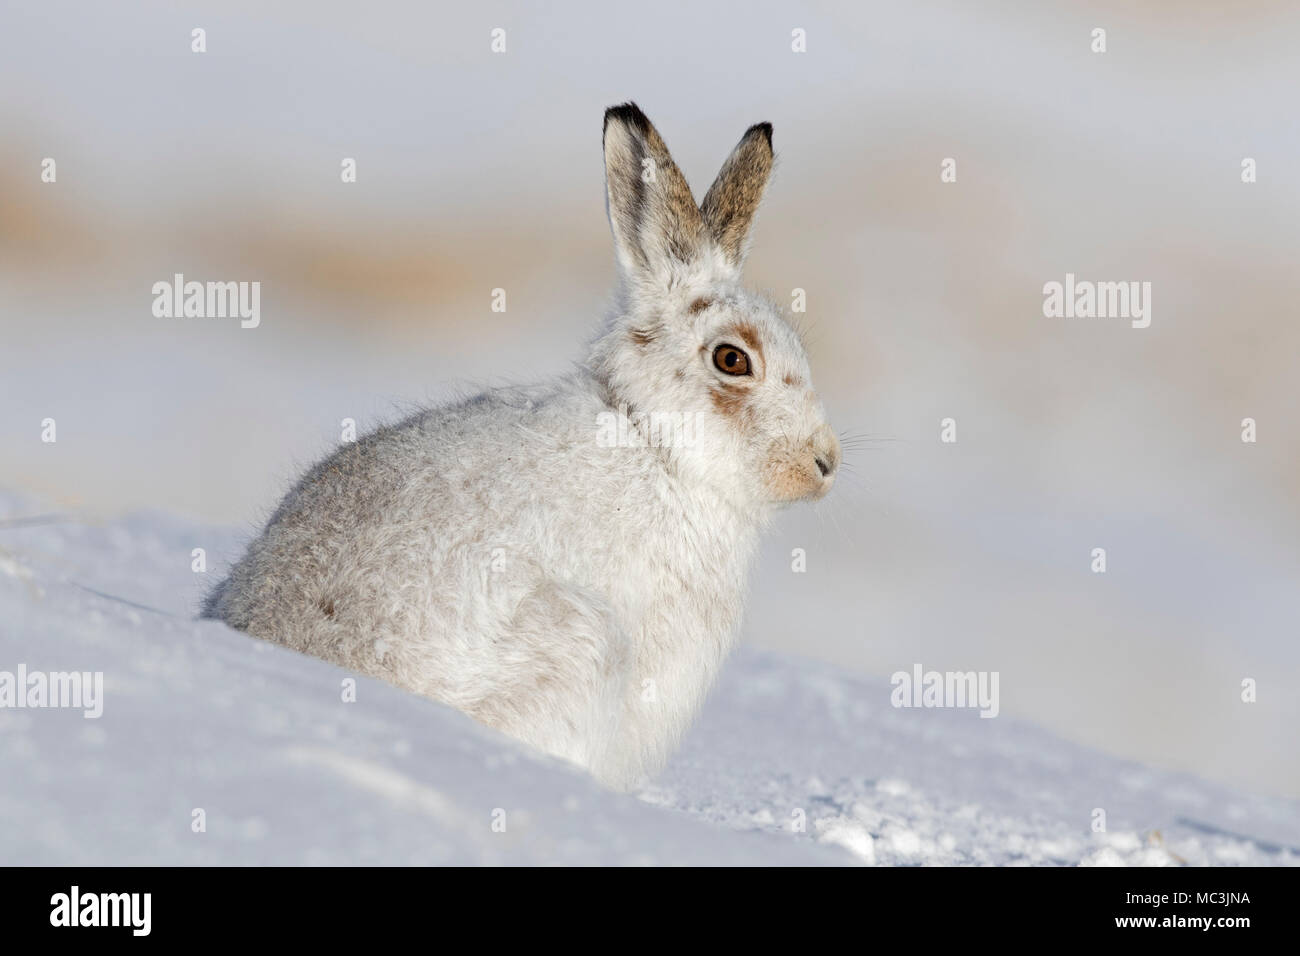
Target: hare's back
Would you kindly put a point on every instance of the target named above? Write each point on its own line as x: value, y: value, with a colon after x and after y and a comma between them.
x: 511, y: 482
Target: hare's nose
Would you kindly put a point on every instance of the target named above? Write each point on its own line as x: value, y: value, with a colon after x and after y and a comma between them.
x: 826, y: 451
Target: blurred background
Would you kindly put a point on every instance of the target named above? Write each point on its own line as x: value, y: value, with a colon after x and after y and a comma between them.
x: 479, y: 171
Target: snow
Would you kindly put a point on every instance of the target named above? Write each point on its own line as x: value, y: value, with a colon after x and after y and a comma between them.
x: 789, y: 763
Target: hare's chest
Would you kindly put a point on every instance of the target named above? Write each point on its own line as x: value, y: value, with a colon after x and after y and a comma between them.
x: 684, y: 604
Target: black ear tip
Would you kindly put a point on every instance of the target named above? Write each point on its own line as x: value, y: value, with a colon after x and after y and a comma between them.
x: 629, y: 114
x: 765, y: 129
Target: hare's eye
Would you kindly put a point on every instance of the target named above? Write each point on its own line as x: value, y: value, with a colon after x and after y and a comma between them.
x: 731, y: 360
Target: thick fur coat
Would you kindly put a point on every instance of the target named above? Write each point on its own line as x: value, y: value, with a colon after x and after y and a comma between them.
x: 567, y: 562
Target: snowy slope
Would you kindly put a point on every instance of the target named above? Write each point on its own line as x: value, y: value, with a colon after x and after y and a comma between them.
x: 197, y: 716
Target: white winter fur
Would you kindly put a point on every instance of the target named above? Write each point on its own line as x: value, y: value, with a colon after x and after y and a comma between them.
x: 502, y: 556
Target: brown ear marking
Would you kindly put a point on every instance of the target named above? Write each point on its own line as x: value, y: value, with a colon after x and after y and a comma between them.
x: 763, y: 129
x: 630, y: 114
x: 731, y: 202
x: 651, y: 220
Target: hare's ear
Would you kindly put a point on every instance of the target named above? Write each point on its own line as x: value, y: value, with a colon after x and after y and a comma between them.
x: 651, y: 210
x: 732, y: 200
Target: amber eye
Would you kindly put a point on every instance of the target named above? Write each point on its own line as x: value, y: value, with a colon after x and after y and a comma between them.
x: 731, y: 360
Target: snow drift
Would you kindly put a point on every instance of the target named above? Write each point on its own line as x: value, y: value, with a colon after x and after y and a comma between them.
x: 216, y: 748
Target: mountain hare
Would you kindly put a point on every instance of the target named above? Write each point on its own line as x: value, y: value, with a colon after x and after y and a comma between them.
x: 552, y: 560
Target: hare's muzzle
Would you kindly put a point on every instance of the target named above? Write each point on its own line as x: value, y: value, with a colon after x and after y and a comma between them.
x: 806, y: 470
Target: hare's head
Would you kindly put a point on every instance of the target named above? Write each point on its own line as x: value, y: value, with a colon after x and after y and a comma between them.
x: 688, y: 348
